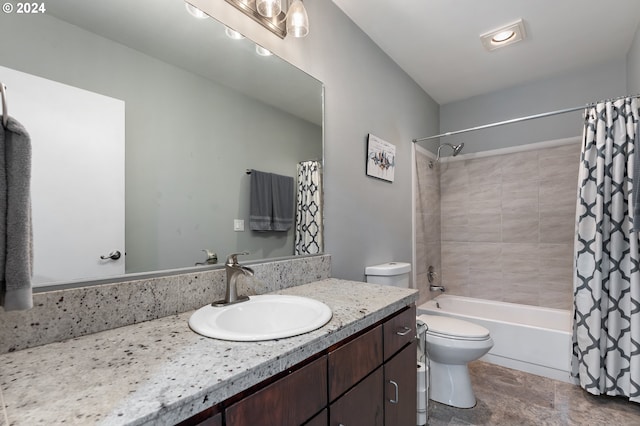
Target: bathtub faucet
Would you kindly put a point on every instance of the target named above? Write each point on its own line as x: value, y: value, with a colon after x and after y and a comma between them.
x: 431, y: 276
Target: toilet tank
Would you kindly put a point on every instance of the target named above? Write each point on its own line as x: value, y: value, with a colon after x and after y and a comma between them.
x: 391, y: 273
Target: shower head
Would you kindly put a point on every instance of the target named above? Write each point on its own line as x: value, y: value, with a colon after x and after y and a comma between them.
x: 456, y: 151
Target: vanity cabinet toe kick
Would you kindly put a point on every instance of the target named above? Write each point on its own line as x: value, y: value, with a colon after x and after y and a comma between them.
x: 368, y: 379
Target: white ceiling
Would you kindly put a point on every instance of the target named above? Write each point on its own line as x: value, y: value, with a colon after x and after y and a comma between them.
x: 437, y: 42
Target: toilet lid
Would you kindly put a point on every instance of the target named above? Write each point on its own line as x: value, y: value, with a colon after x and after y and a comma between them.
x: 454, y: 328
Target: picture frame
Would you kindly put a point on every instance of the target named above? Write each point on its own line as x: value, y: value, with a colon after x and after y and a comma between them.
x: 381, y: 158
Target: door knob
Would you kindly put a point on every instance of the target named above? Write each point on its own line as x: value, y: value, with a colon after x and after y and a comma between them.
x: 114, y: 255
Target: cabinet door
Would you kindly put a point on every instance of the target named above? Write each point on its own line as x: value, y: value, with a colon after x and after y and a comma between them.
x: 290, y: 401
x: 362, y: 405
x: 400, y: 385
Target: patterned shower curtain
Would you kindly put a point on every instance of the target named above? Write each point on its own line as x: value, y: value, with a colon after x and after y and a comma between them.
x: 308, y: 239
x: 606, y: 336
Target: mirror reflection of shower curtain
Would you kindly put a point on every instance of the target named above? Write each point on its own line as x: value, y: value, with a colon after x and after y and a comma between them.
x: 308, y: 229
x: 606, y: 338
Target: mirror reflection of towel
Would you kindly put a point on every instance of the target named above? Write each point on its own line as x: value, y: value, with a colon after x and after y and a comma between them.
x: 260, y: 201
x: 271, y: 202
x: 282, y: 190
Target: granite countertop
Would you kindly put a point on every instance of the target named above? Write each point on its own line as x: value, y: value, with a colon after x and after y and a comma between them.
x: 160, y: 372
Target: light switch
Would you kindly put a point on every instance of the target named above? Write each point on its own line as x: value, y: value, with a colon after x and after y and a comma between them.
x: 238, y: 225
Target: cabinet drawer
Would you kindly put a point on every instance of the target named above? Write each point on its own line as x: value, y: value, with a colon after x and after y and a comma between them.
x: 398, y: 331
x: 362, y: 405
x: 352, y: 362
x: 291, y: 400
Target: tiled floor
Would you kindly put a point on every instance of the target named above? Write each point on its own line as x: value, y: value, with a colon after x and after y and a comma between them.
x: 509, y: 397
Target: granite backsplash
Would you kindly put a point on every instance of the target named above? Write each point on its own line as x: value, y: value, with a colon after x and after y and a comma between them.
x: 67, y: 313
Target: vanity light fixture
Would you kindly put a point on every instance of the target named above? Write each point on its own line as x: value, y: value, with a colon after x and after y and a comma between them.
x: 297, y: 20
x: 504, y: 36
x: 281, y: 17
x: 195, y: 12
x: 269, y: 8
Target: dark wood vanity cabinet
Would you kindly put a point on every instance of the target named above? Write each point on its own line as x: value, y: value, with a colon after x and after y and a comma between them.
x: 292, y: 400
x: 386, y: 355
x: 400, y: 384
x: 398, y: 331
x: 367, y: 380
x: 361, y: 405
x: 212, y: 421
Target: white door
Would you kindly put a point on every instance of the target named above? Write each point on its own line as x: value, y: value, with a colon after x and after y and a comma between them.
x: 77, y: 180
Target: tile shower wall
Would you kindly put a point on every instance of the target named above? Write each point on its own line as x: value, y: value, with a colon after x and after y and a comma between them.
x: 427, y: 204
x: 507, y: 225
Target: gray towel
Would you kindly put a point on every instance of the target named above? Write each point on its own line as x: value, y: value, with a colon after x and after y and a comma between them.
x: 16, y: 251
x: 283, y: 204
x: 260, y: 201
x: 635, y: 195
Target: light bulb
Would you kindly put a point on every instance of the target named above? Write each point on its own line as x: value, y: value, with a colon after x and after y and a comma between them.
x: 297, y: 20
x: 269, y: 8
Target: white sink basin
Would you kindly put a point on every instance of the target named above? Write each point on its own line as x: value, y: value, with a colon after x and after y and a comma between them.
x: 262, y: 317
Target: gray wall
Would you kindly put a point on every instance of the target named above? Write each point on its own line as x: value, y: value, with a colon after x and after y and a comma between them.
x: 562, y: 91
x: 188, y: 143
x: 368, y: 221
x: 633, y: 65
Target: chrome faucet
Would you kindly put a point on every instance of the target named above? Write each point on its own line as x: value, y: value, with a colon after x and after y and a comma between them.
x: 233, y: 270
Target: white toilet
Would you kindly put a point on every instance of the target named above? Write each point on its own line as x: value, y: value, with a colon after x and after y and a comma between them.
x: 451, y: 345
x: 391, y: 273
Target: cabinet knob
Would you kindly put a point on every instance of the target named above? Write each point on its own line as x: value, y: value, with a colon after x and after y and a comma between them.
x: 395, y: 399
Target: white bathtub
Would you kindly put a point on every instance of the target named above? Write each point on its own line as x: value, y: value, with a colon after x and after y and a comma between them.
x: 527, y: 338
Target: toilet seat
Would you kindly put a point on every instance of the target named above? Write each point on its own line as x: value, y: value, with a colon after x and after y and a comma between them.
x: 453, y: 328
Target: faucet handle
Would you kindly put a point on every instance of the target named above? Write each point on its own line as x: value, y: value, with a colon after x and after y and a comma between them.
x: 232, y: 259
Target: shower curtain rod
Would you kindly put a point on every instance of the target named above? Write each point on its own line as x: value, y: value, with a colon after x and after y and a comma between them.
x: 517, y: 120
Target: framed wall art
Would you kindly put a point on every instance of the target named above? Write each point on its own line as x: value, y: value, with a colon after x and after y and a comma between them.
x: 381, y: 158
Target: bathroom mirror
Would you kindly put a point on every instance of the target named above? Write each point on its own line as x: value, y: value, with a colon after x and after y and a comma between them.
x: 200, y: 110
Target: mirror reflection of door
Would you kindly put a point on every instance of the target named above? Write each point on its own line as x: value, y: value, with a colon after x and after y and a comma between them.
x: 77, y: 140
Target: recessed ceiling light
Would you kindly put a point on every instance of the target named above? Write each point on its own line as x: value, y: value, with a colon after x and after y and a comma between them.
x: 195, y: 12
x: 504, y: 36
